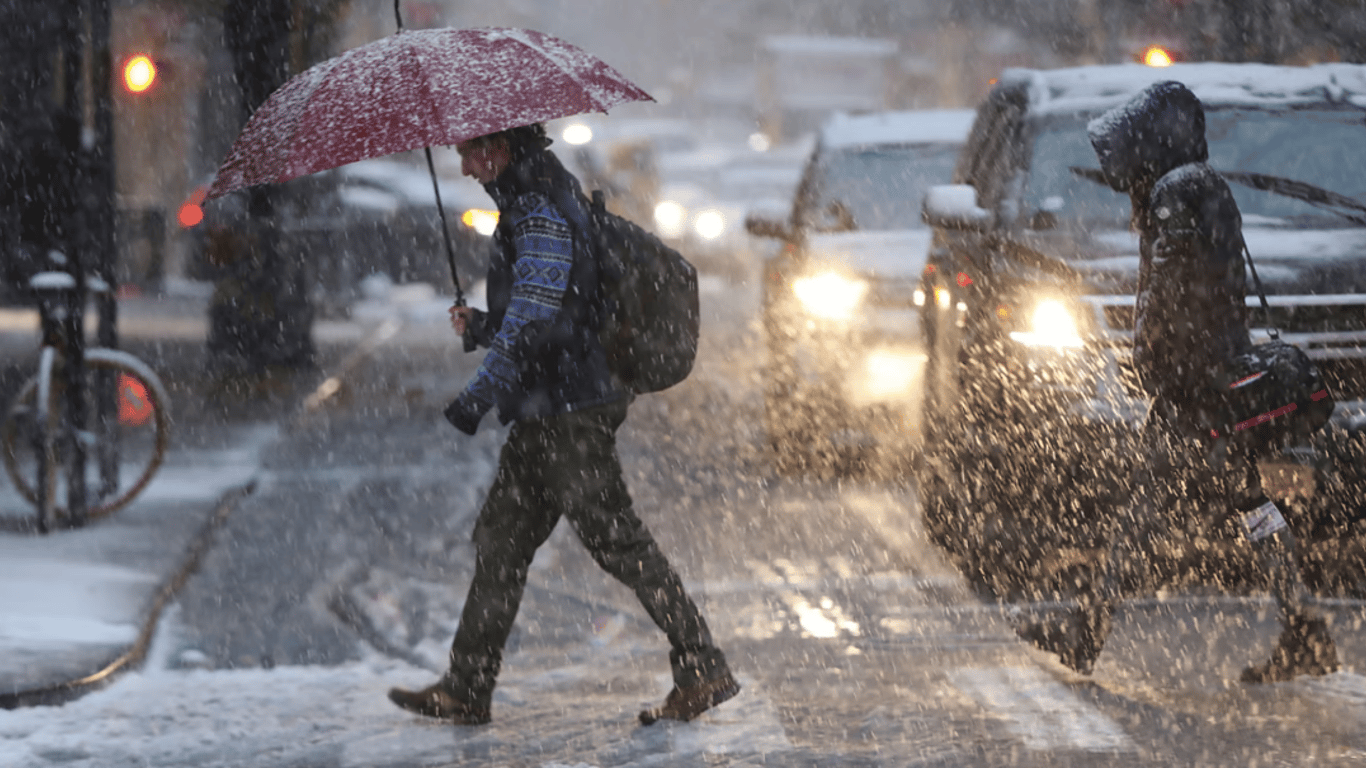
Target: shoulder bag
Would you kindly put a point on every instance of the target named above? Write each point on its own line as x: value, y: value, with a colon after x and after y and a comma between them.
x: 1273, y: 393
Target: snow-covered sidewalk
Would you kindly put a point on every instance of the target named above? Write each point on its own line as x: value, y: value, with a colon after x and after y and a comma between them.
x: 80, y: 603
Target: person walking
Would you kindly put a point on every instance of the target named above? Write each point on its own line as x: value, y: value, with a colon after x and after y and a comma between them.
x: 1191, y: 324
x: 547, y: 374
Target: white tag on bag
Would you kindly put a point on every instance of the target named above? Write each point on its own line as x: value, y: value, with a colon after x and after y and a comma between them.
x: 1263, y: 521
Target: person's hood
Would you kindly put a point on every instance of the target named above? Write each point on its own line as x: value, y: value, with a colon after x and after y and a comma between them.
x: 1158, y: 130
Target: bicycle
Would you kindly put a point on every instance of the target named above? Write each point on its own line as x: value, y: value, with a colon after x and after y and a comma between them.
x: 98, y: 446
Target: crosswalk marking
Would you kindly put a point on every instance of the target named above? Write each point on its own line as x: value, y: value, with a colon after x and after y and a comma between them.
x: 907, y: 586
x: 1041, y: 712
x: 1346, y: 687
x: 825, y: 619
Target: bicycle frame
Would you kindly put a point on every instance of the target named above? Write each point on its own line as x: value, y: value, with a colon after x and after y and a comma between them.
x: 73, y: 411
x: 61, y: 316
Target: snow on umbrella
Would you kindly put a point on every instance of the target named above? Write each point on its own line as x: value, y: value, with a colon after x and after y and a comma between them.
x: 415, y: 89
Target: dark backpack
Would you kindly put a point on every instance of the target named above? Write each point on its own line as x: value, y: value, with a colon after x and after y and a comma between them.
x: 651, y: 319
x: 646, y: 308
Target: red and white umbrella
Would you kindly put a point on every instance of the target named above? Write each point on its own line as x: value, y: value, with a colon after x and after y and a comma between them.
x: 416, y: 89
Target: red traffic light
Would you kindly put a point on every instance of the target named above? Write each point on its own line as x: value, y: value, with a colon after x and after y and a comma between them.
x: 139, y: 73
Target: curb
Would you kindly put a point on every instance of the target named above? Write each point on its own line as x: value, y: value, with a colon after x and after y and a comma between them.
x: 61, y: 693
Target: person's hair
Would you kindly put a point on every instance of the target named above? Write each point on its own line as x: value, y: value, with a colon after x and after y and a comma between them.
x: 524, y: 139
x: 521, y: 140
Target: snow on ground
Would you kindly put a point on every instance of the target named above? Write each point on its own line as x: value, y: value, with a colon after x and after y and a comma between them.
x: 340, y: 716
x: 88, y: 587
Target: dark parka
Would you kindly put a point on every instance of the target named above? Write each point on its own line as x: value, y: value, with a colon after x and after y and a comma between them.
x: 1191, y: 318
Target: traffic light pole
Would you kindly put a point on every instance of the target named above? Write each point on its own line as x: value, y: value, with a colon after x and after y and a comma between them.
x: 70, y: 125
x: 99, y: 211
x: 87, y: 134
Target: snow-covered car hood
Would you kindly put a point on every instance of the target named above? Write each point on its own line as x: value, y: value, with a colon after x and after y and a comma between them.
x: 887, y: 254
x: 1288, y: 261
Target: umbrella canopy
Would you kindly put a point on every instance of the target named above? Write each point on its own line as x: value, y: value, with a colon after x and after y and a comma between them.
x: 417, y: 89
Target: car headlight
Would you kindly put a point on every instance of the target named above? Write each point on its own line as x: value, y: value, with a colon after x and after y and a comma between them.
x: 830, y: 295
x: 481, y: 221
x: 669, y: 217
x: 1050, y: 324
x: 577, y: 133
x: 709, y: 224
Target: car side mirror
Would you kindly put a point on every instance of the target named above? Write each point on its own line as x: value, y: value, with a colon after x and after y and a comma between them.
x: 954, y: 206
x: 764, y: 224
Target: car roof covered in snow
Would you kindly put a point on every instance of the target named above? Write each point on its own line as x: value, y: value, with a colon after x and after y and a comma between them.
x: 919, y: 126
x: 1094, y: 88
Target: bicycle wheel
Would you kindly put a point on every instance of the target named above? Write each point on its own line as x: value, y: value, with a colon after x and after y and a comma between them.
x: 38, y: 439
x: 29, y: 435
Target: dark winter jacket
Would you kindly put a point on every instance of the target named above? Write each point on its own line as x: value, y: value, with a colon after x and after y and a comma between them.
x: 544, y: 356
x: 1191, y: 318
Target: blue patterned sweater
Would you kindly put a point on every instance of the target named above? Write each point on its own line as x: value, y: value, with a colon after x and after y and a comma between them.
x: 544, y: 247
x: 541, y: 360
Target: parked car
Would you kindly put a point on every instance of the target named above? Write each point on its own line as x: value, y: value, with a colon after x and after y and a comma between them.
x: 372, y: 217
x: 838, y: 304
x: 1031, y: 403
x: 384, y: 220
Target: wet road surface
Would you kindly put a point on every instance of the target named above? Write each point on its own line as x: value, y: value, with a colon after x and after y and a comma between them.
x: 855, y: 640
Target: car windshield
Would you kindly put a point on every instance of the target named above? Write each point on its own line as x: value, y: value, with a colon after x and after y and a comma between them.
x: 1317, y: 147
x: 874, y: 187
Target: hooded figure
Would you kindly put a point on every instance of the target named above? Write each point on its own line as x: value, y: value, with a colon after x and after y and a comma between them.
x: 1191, y: 320
x: 1191, y: 323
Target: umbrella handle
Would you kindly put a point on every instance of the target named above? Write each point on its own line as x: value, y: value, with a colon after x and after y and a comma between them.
x: 468, y: 338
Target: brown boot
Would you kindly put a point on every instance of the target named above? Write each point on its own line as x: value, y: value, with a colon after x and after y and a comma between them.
x: 437, y: 701
x: 1305, y: 648
x: 687, y: 703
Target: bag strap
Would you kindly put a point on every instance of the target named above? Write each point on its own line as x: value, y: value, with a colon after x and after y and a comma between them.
x: 1261, y: 294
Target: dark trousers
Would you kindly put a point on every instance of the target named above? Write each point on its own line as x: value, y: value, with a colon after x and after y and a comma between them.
x: 1185, y: 479
x: 567, y: 465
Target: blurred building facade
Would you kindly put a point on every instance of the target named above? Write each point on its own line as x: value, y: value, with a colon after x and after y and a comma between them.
x: 699, y: 58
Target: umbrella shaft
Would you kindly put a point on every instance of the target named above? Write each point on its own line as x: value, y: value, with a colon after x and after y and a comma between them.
x: 445, y: 231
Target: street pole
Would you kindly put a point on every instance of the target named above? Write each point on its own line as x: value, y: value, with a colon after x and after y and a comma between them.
x: 70, y: 122
x: 98, y: 186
